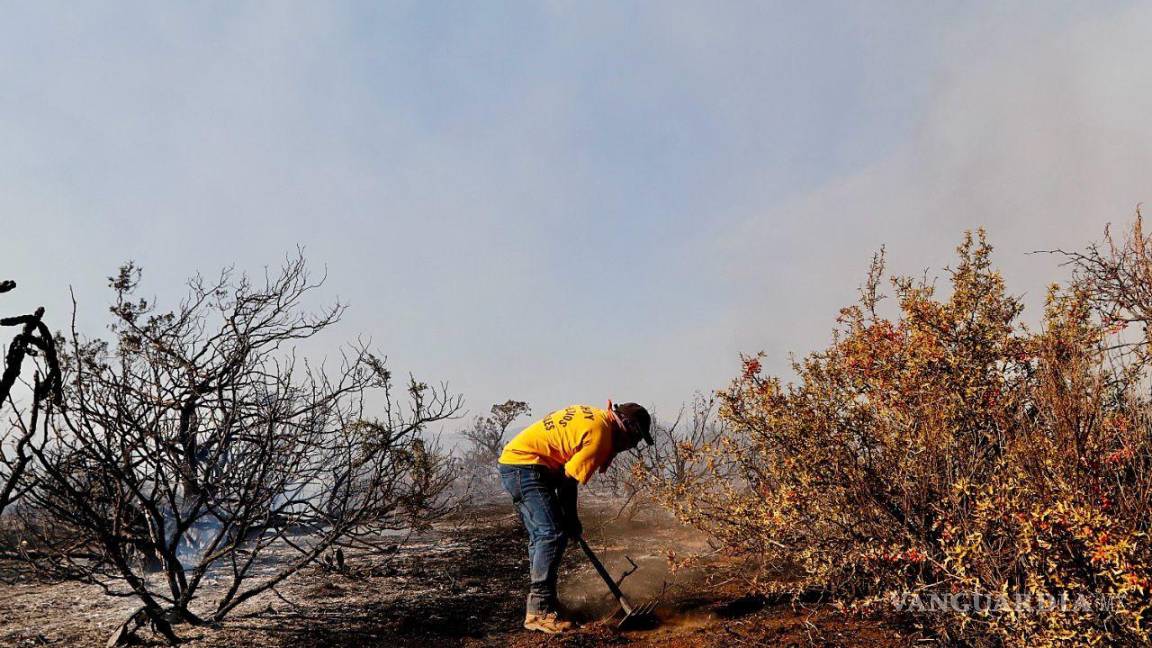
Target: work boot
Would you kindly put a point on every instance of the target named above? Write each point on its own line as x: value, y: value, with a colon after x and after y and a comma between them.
x: 549, y: 622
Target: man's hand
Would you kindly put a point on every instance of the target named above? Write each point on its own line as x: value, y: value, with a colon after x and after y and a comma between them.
x: 572, y: 525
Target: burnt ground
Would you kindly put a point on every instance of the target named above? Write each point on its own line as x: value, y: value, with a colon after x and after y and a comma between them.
x: 463, y: 585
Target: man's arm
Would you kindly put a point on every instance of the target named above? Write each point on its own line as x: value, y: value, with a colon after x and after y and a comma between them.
x: 567, y: 489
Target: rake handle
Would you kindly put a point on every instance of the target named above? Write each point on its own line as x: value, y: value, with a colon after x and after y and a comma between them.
x: 605, y: 575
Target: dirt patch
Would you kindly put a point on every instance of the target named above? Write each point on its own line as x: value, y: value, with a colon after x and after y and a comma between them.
x: 463, y: 585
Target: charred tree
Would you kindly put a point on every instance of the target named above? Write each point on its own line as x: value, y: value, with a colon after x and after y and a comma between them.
x: 199, y: 442
x: 33, y: 340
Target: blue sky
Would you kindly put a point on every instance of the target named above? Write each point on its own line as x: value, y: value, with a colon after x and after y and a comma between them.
x: 562, y: 201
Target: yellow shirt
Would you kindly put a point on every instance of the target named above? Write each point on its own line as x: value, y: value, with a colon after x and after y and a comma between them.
x: 577, y: 438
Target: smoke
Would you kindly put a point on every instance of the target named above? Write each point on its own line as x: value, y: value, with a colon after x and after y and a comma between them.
x: 647, y: 540
x: 204, y: 533
x: 695, y: 179
x: 1036, y: 129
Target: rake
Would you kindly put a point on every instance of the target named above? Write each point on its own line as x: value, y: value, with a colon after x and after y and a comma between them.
x: 636, y: 616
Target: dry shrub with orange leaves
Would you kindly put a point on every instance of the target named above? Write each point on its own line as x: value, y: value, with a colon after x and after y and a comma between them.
x: 948, y: 451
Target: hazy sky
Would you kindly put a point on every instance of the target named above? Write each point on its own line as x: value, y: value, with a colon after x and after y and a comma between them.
x: 563, y: 201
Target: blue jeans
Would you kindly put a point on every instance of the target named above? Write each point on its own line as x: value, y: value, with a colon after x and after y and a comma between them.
x: 533, y: 491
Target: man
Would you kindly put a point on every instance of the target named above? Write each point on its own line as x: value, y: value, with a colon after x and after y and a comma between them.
x: 540, y: 469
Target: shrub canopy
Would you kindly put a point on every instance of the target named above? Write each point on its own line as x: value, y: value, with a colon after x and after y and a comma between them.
x: 944, y: 449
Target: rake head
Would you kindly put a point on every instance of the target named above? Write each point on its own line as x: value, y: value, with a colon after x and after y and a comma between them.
x: 639, y: 617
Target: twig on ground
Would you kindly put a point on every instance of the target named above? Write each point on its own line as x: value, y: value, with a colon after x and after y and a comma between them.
x: 627, y: 572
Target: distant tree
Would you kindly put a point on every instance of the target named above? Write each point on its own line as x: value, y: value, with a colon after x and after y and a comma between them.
x: 199, y: 443
x: 19, y: 432
x: 487, y: 433
x: 486, y: 440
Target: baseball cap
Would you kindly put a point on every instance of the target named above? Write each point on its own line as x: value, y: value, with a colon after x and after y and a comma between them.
x: 636, y: 419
